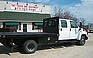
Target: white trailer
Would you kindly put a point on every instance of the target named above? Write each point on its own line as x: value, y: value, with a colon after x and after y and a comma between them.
x: 90, y: 27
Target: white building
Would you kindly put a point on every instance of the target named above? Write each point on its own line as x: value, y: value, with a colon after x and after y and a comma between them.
x: 25, y: 17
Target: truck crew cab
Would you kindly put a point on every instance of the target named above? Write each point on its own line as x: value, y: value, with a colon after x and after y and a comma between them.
x: 55, y: 31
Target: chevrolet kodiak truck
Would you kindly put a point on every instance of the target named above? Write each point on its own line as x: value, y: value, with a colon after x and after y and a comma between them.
x: 55, y: 31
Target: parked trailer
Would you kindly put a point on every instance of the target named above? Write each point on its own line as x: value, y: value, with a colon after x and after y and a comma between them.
x: 55, y: 31
x: 90, y: 27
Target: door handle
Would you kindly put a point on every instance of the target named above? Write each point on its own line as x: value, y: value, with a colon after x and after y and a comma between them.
x: 61, y: 29
x: 70, y: 29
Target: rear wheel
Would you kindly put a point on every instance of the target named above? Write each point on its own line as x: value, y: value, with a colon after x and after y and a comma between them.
x: 82, y: 41
x: 30, y: 46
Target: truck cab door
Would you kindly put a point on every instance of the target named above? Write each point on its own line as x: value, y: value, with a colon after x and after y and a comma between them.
x: 63, y: 30
x: 73, y: 30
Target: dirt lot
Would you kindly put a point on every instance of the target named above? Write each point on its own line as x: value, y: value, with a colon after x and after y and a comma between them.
x: 71, y: 51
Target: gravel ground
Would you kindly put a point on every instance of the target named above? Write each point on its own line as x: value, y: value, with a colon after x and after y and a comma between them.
x: 71, y: 51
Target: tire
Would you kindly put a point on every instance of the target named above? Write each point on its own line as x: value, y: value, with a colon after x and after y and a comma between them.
x: 30, y: 46
x: 82, y: 41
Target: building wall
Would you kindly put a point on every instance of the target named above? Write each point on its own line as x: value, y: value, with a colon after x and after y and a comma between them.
x: 29, y: 28
x: 1, y: 25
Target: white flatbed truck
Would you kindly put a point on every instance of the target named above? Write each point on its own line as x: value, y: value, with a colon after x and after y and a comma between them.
x: 55, y: 30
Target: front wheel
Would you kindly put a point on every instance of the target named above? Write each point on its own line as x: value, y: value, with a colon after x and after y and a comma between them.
x: 82, y: 41
x: 30, y: 46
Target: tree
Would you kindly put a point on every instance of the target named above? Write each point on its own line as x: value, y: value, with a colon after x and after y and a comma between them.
x: 83, y: 20
x: 64, y: 14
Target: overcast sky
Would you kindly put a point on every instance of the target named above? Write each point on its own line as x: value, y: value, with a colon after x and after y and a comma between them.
x: 81, y: 8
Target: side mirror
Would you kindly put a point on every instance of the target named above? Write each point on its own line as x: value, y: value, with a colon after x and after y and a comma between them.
x: 80, y: 25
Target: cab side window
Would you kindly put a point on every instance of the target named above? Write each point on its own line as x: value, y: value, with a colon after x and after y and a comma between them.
x: 73, y: 24
x: 63, y: 24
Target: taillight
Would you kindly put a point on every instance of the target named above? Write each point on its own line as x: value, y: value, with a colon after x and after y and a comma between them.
x: 86, y: 30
